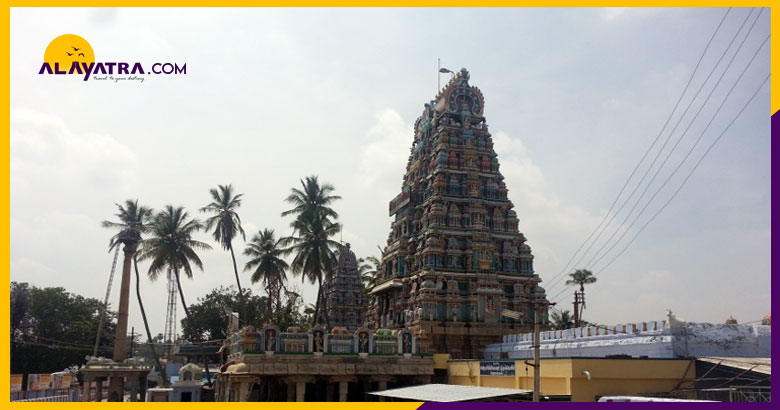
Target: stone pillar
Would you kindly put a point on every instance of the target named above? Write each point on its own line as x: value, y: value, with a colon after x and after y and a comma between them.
x: 243, y: 391
x: 381, y: 382
x: 98, y: 390
x: 300, y: 391
x: 381, y: 385
x: 85, y: 390
x: 116, y: 388
x: 290, y: 391
x: 134, y: 389
x: 343, y: 389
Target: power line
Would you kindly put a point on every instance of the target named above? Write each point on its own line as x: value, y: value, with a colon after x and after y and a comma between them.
x: 54, y: 346
x: 700, y: 159
x: 693, y: 169
x: 688, y: 154
x: 677, y: 143
x: 671, y: 114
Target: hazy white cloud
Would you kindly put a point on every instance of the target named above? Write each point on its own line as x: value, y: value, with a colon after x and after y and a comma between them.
x: 611, y: 13
x: 45, y: 152
x: 383, y: 159
x: 544, y: 218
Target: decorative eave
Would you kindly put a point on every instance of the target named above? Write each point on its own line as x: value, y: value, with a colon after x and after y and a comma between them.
x: 392, y: 283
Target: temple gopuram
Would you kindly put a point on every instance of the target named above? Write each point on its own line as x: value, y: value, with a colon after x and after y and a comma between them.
x: 345, y: 299
x: 456, y: 271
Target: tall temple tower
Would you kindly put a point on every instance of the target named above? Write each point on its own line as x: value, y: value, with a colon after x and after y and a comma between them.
x: 456, y: 271
x: 345, y: 299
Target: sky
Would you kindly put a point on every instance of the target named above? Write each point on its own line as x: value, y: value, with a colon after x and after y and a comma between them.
x: 573, y: 99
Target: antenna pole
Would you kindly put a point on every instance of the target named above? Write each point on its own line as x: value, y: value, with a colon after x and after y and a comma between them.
x: 438, y: 75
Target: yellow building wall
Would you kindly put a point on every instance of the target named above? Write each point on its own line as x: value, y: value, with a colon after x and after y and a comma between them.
x: 496, y: 381
x: 627, y: 376
x: 440, y: 361
x: 563, y: 377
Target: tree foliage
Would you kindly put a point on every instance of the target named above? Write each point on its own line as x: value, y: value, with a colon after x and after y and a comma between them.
x: 265, y: 253
x: 210, y: 315
x: 52, y: 329
x: 581, y: 277
x: 225, y: 220
x: 312, y: 229
x: 367, y: 269
x: 561, y: 320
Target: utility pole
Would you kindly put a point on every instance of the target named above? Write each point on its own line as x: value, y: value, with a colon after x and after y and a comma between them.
x: 537, y: 373
x: 132, y: 342
x: 577, y: 303
x: 537, y: 345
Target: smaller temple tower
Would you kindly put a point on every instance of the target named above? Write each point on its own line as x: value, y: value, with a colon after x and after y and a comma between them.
x: 345, y: 299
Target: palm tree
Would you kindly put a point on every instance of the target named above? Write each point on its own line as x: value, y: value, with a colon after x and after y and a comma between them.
x: 171, y: 248
x: 368, y: 269
x: 314, y: 198
x: 150, y: 341
x: 133, y: 221
x: 561, y: 320
x: 581, y: 277
x: 265, y: 252
x: 225, y: 221
x: 314, y: 259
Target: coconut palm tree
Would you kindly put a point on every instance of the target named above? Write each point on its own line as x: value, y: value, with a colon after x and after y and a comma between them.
x: 581, y: 277
x: 150, y: 340
x: 265, y: 252
x: 561, y: 320
x: 312, y: 229
x: 225, y: 221
x: 133, y: 221
x: 368, y: 269
x: 172, y: 248
x: 314, y: 198
x: 314, y: 258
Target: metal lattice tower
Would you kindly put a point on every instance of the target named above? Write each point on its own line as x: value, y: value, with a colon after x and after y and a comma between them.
x: 169, y: 335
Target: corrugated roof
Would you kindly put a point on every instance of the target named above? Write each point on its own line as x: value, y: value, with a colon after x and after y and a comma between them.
x: 447, y: 392
x: 761, y: 365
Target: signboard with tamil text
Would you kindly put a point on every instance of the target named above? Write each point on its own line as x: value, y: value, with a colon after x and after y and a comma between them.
x: 60, y: 381
x: 497, y: 368
x: 16, y: 382
x: 38, y: 381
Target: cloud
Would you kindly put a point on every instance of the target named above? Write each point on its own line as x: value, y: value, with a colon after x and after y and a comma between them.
x: 383, y: 160
x: 60, y: 181
x: 104, y: 16
x: 46, y: 153
x: 609, y: 14
x: 552, y: 226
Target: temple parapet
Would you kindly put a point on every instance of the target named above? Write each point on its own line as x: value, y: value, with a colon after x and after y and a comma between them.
x: 339, y: 341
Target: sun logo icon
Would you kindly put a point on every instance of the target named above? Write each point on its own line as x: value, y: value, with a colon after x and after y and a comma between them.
x: 67, y: 48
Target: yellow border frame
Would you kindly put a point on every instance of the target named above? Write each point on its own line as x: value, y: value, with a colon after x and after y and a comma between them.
x: 5, y: 202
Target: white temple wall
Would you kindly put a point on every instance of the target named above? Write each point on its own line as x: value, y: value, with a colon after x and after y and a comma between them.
x: 650, y: 339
